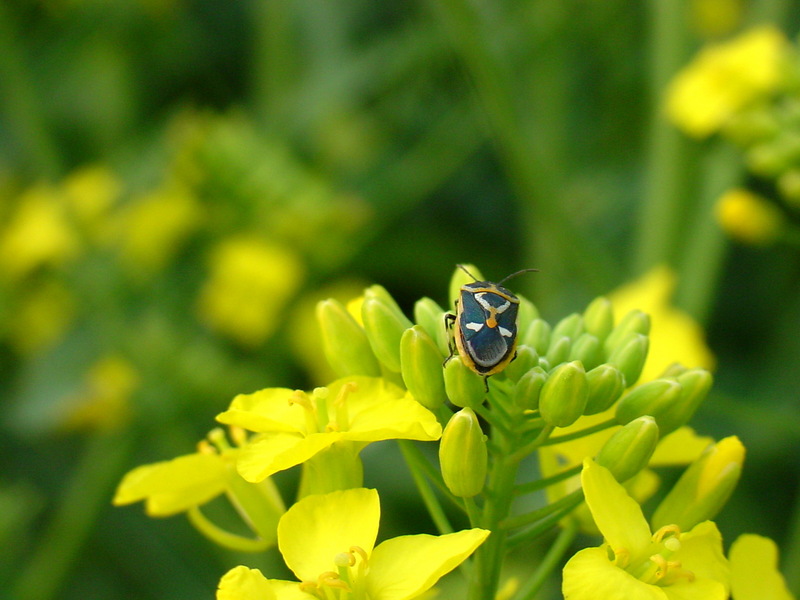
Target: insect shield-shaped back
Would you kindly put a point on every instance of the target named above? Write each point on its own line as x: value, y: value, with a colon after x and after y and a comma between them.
x: 486, y: 334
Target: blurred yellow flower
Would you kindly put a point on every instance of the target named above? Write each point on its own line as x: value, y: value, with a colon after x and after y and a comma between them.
x: 38, y: 234
x: 90, y: 193
x: 754, y: 569
x: 725, y: 78
x: 152, y: 229
x: 104, y: 399
x: 713, y: 18
x: 42, y: 317
x: 748, y: 217
x: 248, y: 288
x: 674, y: 335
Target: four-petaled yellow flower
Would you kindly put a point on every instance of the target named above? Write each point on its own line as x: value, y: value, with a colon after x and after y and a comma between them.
x: 295, y: 426
x: 754, y: 570
x: 635, y: 563
x: 328, y: 541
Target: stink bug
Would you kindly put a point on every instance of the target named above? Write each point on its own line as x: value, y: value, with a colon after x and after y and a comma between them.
x: 486, y: 331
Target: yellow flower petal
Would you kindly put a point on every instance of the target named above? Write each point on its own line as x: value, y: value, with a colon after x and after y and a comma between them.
x: 269, y: 453
x: 754, y: 570
x: 617, y: 515
x: 404, y: 567
x: 173, y: 486
x: 679, y: 448
x: 590, y: 575
x: 265, y: 410
x: 701, y: 553
x: 402, y: 418
x: 317, y: 528
x: 241, y: 583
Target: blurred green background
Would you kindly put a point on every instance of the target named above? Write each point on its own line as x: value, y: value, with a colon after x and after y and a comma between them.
x: 180, y: 181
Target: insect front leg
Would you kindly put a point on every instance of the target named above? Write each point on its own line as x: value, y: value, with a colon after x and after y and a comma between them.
x: 449, y: 321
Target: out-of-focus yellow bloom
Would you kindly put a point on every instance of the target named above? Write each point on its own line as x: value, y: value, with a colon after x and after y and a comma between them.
x: 714, y: 18
x: 91, y: 192
x: 248, y: 288
x: 153, y: 228
x: 748, y: 217
x: 674, y: 335
x: 42, y: 317
x: 38, y: 235
x: 104, y: 401
x: 725, y: 78
x: 754, y: 570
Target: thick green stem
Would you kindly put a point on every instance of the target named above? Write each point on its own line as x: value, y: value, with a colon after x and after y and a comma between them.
x: 549, y: 563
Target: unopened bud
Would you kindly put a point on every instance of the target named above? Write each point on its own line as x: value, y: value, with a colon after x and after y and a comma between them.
x: 528, y: 389
x: 629, y: 356
x: 384, y: 324
x: 526, y: 359
x: 558, y: 352
x: 430, y: 316
x: 570, y: 326
x: 460, y: 279
x: 704, y: 487
x: 629, y: 450
x: 635, y: 321
x: 655, y: 398
x: 526, y: 314
x: 587, y: 349
x: 564, y: 395
x: 598, y: 318
x: 606, y: 384
x: 421, y: 367
x: 464, y: 387
x: 463, y: 456
x: 344, y: 342
x: 537, y: 336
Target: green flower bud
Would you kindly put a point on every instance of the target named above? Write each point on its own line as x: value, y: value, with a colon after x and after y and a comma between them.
x: 527, y: 313
x: 629, y: 356
x: 606, y: 384
x: 528, y: 389
x: 704, y: 487
x: 570, y: 326
x: 564, y: 395
x: 526, y: 359
x: 537, y: 336
x: 429, y: 315
x: 463, y: 386
x: 463, y: 456
x: 696, y: 384
x: 629, y: 450
x: 586, y: 349
x: 344, y: 342
x: 598, y: 318
x: 655, y: 398
x: 544, y: 364
x: 634, y: 322
x: 674, y: 370
x: 558, y: 352
x: 421, y: 367
x: 460, y: 279
x: 384, y: 324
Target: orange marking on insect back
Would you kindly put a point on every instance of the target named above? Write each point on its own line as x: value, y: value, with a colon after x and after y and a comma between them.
x: 491, y: 322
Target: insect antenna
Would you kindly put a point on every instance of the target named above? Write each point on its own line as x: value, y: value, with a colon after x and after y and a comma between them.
x: 507, y: 277
x: 463, y: 268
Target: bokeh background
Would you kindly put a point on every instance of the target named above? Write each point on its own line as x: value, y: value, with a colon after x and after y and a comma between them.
x: 181, y: 180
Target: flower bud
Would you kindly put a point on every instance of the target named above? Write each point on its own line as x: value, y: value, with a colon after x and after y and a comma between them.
x: 463, y: 386
x: 629, y: 450
x: 527, y: 313
x: 421, y: 367
x: 655, y: 398
x: 696, y: 384
x: 430, y: 316
x: 528, y: 389
x: 704, y: 487
x: 460, y: 279
x: 629, y: 356
x: 525, y: 360
x: 634, y: 322
x: 564, y: 395
x: 344, y: 342
x: 606, y: 384
x: 674, y: 370
x: 598, y: 318
x: 587, y: 350
x: 463, y: 457
x: 558, y: 352
x: 384, y: 324
x: 537, y: 336
x: 570, y: 326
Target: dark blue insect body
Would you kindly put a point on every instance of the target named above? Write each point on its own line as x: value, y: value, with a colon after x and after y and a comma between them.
x: 486, y: 332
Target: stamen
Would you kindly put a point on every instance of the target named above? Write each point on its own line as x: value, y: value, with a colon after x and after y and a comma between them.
x: 301, y: 398
x: 622, y: 557
x: 340, y: 405
x: 238, y: 435
x: 659, y: 535
x: 217, y: 437
x: 331, y: 580
x: 205, y: 447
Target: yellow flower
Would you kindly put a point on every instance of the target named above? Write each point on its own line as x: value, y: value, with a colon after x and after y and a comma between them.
x: 250, y: 283
x: 104, y: 401
x: 38, y: 235
x: 725, y: 78
x: 748, y: 217
x: 152, y: 229
x: 635, y: 563
x: 713, y: 18
x: 754, y: 570
x: 91, y: 193
x: 295, y: 427
x: 328, y: 542
x: 674, y: 335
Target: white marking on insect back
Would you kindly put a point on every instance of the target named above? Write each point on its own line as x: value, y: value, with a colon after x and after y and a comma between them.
x: 474, y: 326
x: 505, y: 332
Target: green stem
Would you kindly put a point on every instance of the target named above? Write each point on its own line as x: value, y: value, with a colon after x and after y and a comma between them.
x: 539, y: 484
x: 539, y: 441
x: 567, y: 501
x: 430, y: 499
x: 543, y: 526
x: 224, y: 538
x: 568, y: 437
x: 552, y: 559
